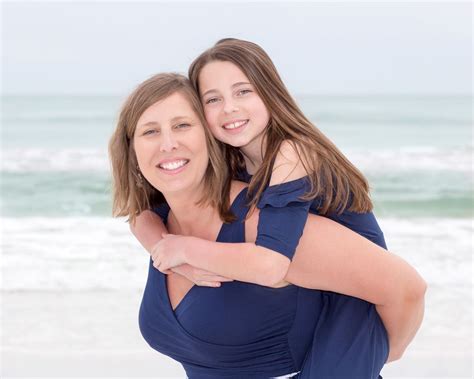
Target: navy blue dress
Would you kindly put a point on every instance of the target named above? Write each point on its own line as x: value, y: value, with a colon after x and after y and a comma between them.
x: 232, y: 331
x: 240, y: 330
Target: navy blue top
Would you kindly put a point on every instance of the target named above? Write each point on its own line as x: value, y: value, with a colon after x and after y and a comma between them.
x: 283, y: 216
x: 243, y: 330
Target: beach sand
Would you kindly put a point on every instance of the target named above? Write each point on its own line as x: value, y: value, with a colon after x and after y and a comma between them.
x: 95, y: 334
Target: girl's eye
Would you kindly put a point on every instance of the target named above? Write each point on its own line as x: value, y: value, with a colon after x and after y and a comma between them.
x: 211, y: 100
x: 243, y: 92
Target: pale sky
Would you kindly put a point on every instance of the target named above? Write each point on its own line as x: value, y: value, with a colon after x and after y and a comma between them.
x: 318, y: 47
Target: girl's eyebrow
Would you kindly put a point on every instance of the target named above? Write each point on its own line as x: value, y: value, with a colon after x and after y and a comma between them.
x: 239, y: 84
x: 233, y: 86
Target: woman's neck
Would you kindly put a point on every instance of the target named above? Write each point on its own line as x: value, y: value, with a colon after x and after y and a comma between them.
x: 188, y: 218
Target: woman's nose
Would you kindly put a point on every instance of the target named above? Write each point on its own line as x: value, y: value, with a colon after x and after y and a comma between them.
x: 168, y: 142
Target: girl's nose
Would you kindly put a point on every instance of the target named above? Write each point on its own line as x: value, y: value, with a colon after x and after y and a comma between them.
x: 230, y: 107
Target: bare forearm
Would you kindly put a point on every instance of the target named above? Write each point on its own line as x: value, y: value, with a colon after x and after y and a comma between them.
x: 240, y: 261
x: 148, y: 229
x: 402, y: 321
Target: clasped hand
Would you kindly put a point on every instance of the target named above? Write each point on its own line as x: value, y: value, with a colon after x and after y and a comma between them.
x: 169, y: 252
x: 169, y: 255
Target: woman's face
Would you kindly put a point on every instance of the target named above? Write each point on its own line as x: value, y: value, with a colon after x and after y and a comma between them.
x: 234, y: 111
x: 170, y: 145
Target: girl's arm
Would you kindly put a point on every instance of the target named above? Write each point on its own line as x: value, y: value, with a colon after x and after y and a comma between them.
x: 148, y: 230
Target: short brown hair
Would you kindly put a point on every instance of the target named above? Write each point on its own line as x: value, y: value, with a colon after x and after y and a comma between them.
x: 132, y: 193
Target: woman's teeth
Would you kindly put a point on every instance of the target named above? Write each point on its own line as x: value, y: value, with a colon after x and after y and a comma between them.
x: 235, y: 125
x: 173, y: 165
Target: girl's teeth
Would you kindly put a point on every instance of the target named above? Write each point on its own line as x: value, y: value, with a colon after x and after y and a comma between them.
x: 235, y: 125
x: 173, y: 165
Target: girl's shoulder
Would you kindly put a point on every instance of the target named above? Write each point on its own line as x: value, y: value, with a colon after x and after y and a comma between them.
x: 288, y: 164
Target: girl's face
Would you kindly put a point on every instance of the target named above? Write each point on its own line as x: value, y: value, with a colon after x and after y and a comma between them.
x: 234, y: 111
x: 170, y: 145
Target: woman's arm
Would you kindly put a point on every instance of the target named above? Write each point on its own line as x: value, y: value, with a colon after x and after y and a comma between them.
x: 342, y: 261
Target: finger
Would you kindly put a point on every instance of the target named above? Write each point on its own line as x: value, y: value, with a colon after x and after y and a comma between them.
x: 217, y: 278
x: 208, y: 284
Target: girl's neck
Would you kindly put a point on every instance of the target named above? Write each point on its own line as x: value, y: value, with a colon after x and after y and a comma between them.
x: 253, y: 155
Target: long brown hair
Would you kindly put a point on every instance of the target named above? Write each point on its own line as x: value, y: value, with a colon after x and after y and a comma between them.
x: 333, y: 177
x: 131, y: 192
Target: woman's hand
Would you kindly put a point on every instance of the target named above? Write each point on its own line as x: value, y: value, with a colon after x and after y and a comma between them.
x: 200, y: 277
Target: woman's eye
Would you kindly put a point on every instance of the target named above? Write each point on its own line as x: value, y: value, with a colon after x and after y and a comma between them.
x: 182, y: 126
x: 211, y: 100
x: 149, y: 132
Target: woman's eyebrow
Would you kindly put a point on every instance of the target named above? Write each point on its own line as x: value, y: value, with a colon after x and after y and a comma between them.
x: 208, y: 92
x: 179, y: 118
x: 149, y: 123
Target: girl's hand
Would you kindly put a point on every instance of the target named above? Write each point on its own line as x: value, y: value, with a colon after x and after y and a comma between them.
x: 170, y: 252
x: 200, y: 277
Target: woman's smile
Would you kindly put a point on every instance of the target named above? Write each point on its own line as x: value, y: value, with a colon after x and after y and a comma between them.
x: 173, y: 166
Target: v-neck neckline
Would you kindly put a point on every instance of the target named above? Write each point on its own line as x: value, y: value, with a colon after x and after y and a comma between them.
x: 219, y: 236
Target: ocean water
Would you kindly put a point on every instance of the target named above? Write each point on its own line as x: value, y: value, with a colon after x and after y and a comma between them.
x: 55, y: 178
x: 58, y: 233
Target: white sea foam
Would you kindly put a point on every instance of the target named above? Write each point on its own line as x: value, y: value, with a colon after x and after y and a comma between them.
x: 101, y: 253
x: 403, y: 159
x: 40, y: 159
x: 71, y: 253
x: 413, y: 159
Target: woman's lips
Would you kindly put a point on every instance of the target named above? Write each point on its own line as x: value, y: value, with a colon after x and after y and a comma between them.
x: 173, y: 166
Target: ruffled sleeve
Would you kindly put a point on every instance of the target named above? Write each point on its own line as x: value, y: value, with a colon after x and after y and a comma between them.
x: 283, y: 215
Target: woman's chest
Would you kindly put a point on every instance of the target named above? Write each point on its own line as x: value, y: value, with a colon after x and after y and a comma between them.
x: 237, y: 313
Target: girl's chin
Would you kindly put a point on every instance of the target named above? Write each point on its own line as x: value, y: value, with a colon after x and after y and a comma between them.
x: 235, y: 142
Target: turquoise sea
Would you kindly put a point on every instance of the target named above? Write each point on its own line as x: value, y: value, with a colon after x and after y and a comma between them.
x: 415, y: 151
